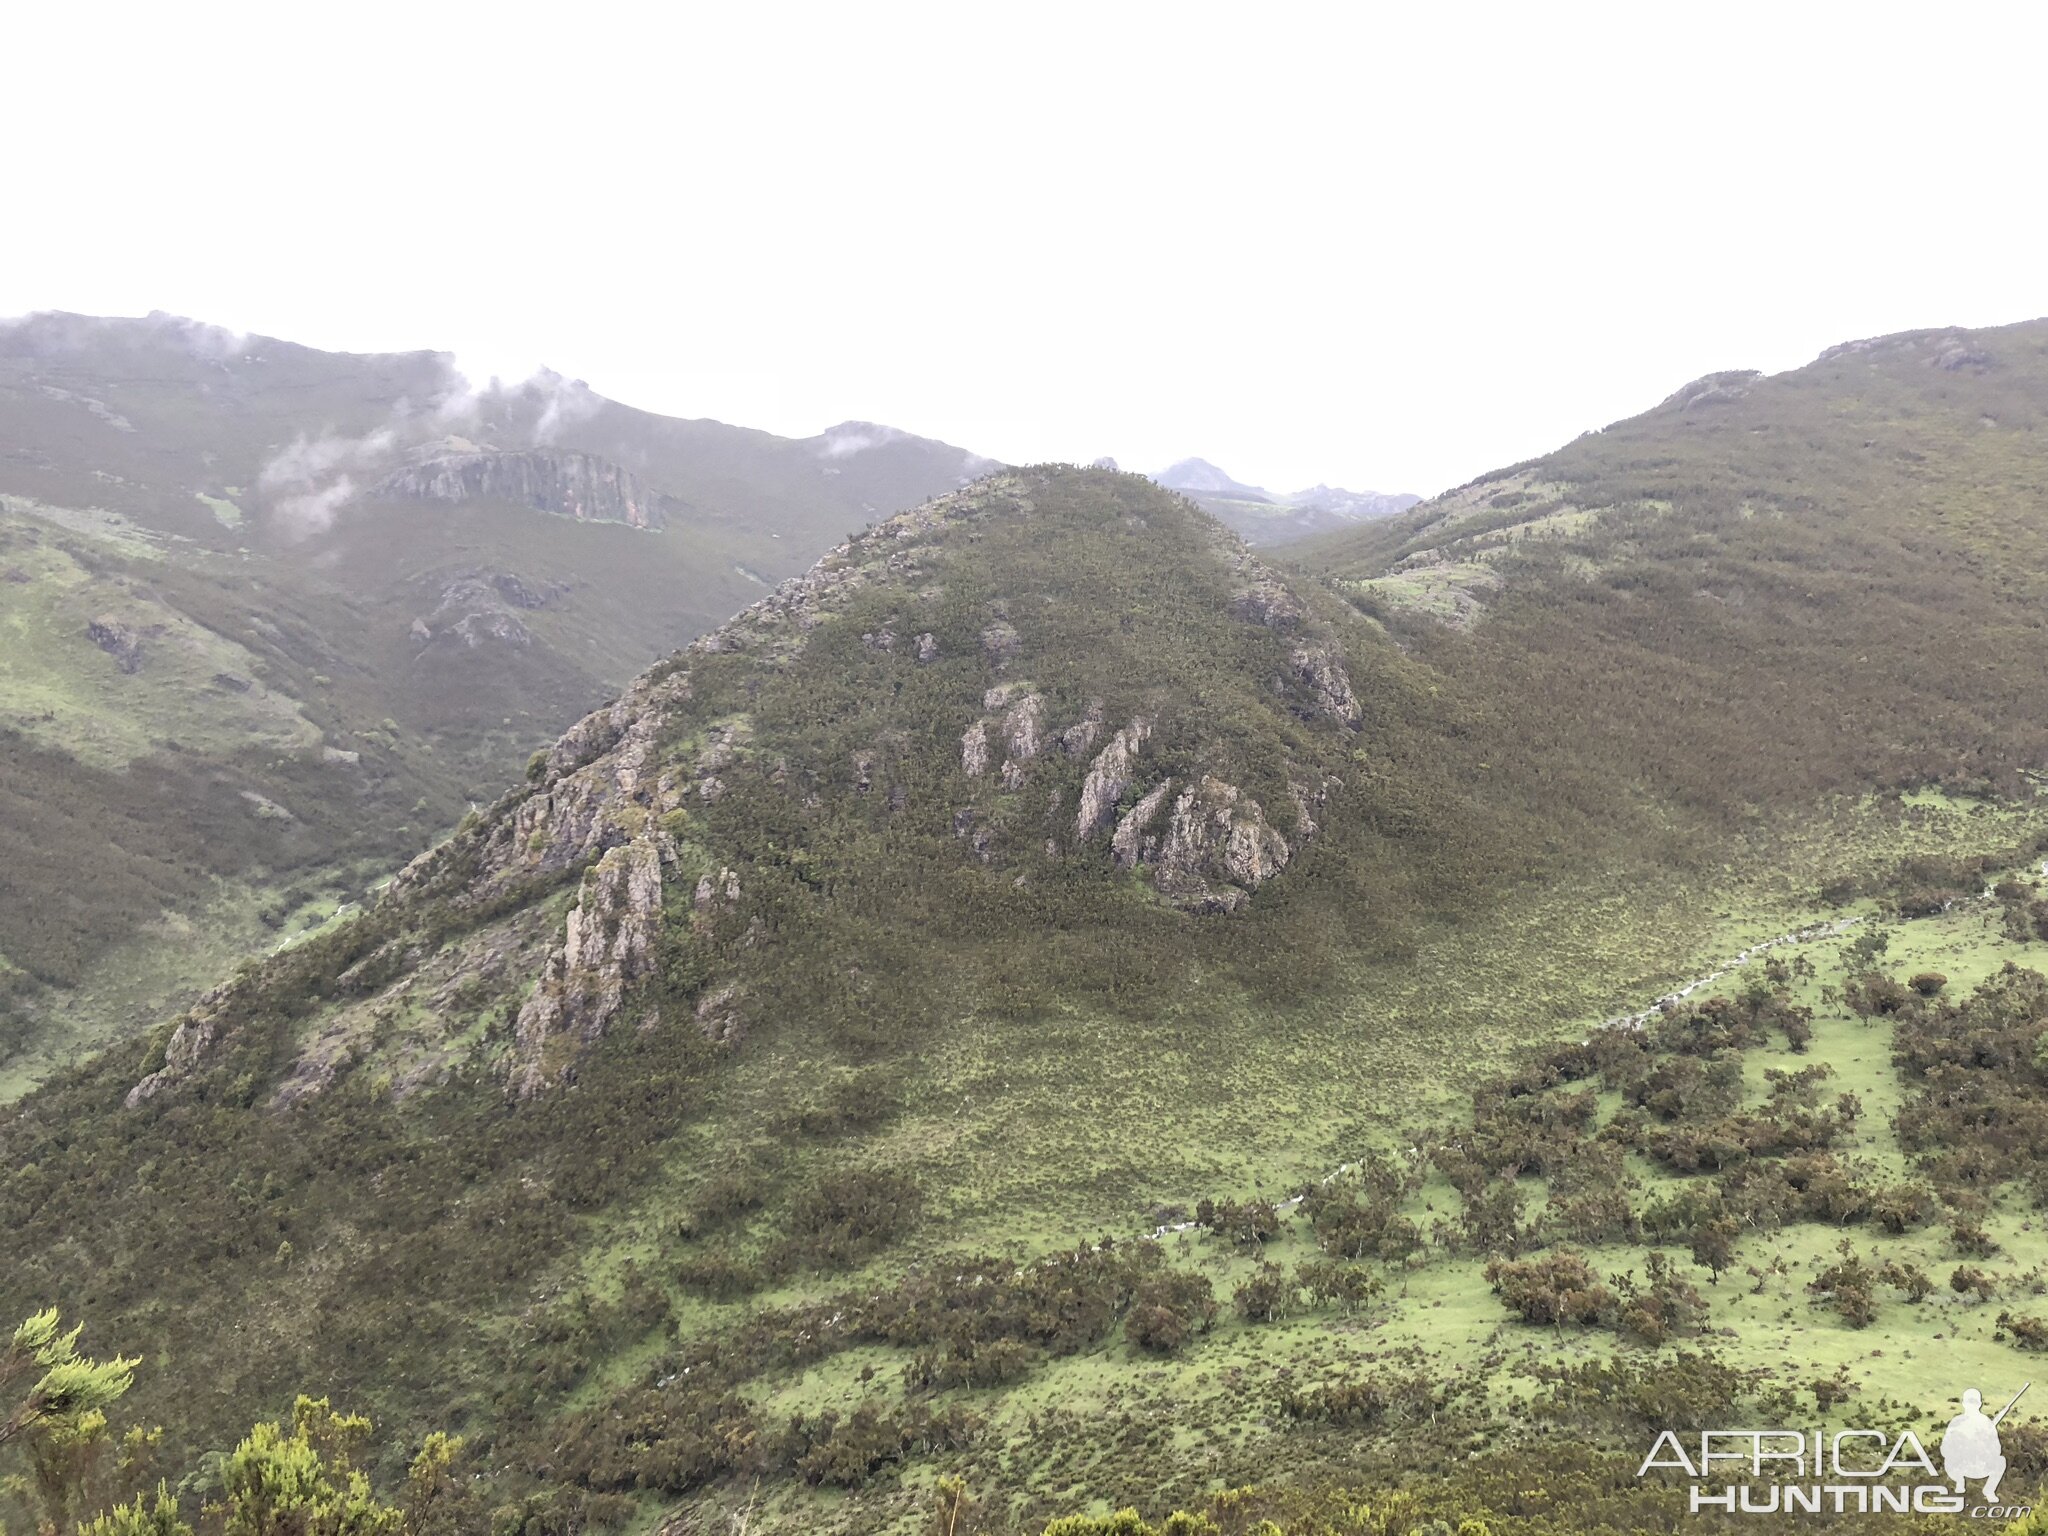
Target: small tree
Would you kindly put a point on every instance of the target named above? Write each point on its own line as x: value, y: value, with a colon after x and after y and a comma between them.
x: 1713, y: 1245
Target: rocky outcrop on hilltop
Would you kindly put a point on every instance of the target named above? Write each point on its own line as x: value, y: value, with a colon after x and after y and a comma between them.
x: 1713, y: 389
x: 636, y: 837
x: 578, y: 485
x: 598, y: 803
x: 190, y: 1040
x: 1950, y: 351
x: 1112, y: 772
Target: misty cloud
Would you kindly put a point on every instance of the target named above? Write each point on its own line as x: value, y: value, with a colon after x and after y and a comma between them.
x: 309, y: 460
x: 215, y: 343
x: 568, y: 401
x: 52, y: 332
x: 852, y: 437
x: 314, y: 511
x: 309, y: 480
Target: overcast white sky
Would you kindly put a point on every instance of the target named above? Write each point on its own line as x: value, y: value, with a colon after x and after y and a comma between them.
x: 1387, y: 247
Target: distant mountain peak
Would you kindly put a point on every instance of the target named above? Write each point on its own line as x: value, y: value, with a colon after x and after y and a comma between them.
x: 1199, y: 476
x: 852, y: 437
x: 1265, y: 518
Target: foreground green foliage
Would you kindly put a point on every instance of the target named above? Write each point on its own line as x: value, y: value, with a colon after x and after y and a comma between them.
x: 48, y: 1387
x: 300, y: 1478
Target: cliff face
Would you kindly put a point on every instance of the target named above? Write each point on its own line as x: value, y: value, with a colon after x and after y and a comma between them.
x: 578, y: 485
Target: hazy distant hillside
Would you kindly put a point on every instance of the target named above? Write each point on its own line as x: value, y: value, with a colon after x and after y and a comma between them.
x: 1264, y: 518
x: 277, y: 614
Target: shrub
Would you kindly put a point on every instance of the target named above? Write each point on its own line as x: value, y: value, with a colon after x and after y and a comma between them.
x: 2027, y: 1332
x: 721, y: 1276
x: 1899, y: 1206
x: 1554, y: 1288
x: 1663, y: 1308
x: 1249, y: 1224
x: 1170, y: 1308
x: 1328, y: 1282
x: 1265, y: 1297
x: 1968, y: 1280
x: 1850, y: 1287
x: 1971, y: 1240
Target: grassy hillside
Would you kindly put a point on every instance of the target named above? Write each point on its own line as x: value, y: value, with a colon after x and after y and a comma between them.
x: 887, y: 1043
x: 251, y: 668
x: 1763, y: 589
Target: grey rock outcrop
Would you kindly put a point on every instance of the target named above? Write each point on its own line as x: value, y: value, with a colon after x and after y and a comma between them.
x: 974, y: 749
x: 715, y: 891
x: 1130, y: 843
x: 1000, y: 642
x: 599, y: 789
x: 1218, y: 848
x: 574, y: 485
x: 1108, y: 777
x: 1265, y: 600
x: 608, y: 942
x: 1079, y: 739
x: 718, y: 1016
x: 479, y: 608
x: 1328, y: 683
x: 189, y: 1043
x: 1023, y: 728
x: 1713, y: 389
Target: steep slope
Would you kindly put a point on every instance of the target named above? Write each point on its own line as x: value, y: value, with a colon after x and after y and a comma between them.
x: 274, y: 614
x: 734, y: 1114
